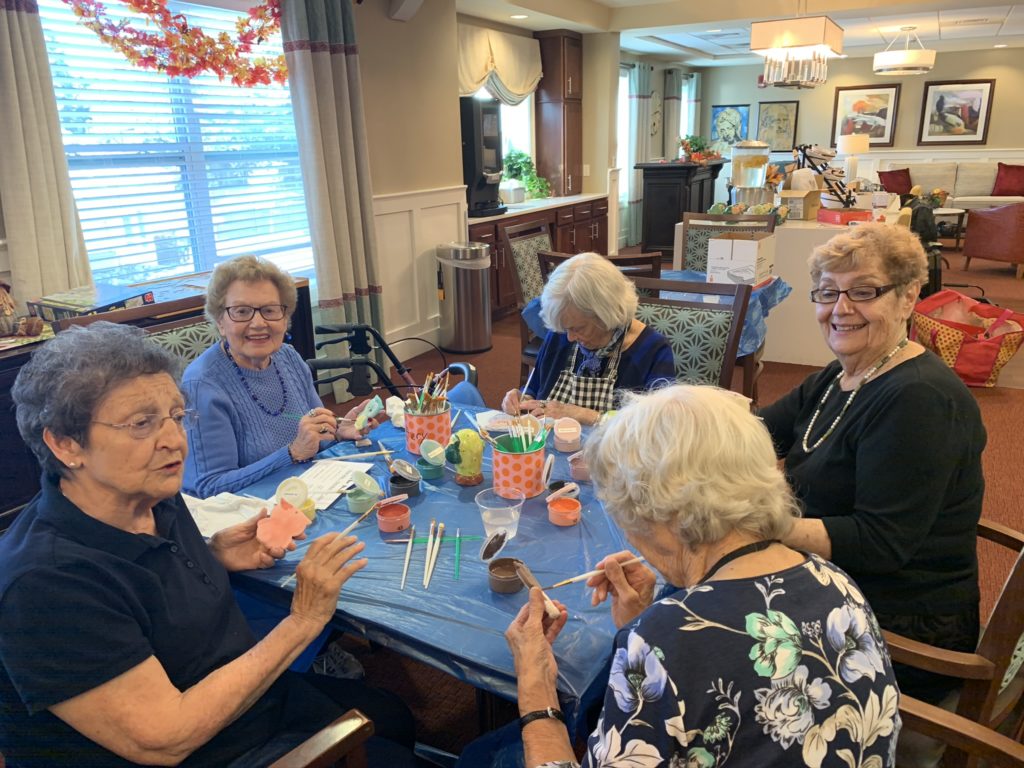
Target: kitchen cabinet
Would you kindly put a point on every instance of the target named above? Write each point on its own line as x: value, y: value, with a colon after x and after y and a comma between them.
x: 561, y: 54
x: 501, y: 277
x: 559, y: 112
x: 582, y: 227
x: 670, y: 190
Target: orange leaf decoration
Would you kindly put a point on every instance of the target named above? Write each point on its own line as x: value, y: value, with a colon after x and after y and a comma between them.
x: 284, y: 524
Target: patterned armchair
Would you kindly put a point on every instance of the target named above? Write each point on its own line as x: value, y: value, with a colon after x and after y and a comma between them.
x: 631, y: 265
x: 698, y: 228
x: 187, y: 338
x: 524, y: 242
x: 704, y: 336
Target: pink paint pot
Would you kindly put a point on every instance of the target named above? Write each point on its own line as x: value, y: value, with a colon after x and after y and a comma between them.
x: 564, y: 511
x: 578, y: 468
x: 393, y: 518
x: 568, y: 434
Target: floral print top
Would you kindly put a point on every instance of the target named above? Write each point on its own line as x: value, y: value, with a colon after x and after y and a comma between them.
x: 782, y: 670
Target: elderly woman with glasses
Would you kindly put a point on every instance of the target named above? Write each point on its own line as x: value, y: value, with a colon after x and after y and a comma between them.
x: 755, y: 654
x: 259, y: 408
x: 596, y: 345
x: 121, y: 641
x: 883, y: 450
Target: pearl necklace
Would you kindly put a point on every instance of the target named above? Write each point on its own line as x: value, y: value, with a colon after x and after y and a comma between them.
x: 817, y: 411
x: 280, y: 379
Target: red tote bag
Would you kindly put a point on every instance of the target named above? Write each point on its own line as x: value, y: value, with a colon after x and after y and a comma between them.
x: 973, y: 338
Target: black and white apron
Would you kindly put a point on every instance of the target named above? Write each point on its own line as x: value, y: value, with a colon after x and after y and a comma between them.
x: 593, y: 392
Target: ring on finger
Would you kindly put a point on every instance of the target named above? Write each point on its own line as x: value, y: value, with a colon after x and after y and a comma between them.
x: 323, y: 429
x: 312, y: 412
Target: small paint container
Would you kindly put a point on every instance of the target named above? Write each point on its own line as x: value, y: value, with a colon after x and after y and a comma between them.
x: 578, y: 468
x: 502, y: 576
x: 557, y: 485
x: 359, y: 501
x: 568, y: 435
x: 429, y: 471
x: 564, y: 511
x: 399, y: 484
x: 393, y: 518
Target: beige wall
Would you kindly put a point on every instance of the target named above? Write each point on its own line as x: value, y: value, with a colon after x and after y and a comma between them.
x: 600, y: 93
x: 738, y: 85
x: 411, y: 95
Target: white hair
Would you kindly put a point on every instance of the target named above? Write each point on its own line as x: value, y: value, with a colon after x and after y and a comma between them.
x: 694, y: 458
x: 594, y: 286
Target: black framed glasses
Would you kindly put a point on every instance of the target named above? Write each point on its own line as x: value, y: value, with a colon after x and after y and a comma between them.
x: 856, y: 293
x: 148, y: 424
x: 242, y: 313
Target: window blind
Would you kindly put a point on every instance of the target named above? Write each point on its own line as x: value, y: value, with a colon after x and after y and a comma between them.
x: 172, y: 175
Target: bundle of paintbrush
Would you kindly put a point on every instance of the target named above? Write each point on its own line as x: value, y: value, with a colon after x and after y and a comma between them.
x: 432, y: 397
x: 526, y: 434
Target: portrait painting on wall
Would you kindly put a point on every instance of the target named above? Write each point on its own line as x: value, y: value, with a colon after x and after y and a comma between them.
x: 956, y: 111
x: 729, y: 123
x: 776, y: 124
x: 869, y: 109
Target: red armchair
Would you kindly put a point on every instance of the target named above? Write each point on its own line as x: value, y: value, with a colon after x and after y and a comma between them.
x: 996, y: 234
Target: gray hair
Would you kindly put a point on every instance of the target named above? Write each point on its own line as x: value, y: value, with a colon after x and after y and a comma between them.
x: 592, y: 284
x: 248, y: 269
x: 693, y: 458
x: 63, y: 384
x: 896, y: 249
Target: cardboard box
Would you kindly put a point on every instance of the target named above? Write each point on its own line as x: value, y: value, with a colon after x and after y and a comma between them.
x: 844, y: 215
x: 741, y: 257
x: 804, y: 204
x: 89, y: 300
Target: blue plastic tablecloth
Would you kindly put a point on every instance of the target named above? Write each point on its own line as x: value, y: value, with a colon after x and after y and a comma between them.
x: 754, y: 327
x: 458, y: 626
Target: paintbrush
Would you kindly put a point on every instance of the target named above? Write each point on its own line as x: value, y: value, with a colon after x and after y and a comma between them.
x: 526, y: 576
x: 430, y: 544
x: 408, y: 554
x: 354, y: 456
x: 595, y: 572
x: 433, y: 557
x: 458, y: 551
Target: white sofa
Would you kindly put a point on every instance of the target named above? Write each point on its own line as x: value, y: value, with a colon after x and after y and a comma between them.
x: 969, y: 183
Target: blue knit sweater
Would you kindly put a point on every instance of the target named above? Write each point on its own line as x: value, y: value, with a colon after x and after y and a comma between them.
x: 235, y: 443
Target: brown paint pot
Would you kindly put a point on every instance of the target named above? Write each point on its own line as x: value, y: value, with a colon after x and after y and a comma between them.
x: 399, y: 484
x: 564, y: 511
x: 578, y: 468
x: 502, y: 576
x: 393, y: 518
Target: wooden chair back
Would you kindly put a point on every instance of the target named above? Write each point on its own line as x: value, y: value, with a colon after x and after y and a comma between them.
x: 993, y: 678
x: 631, y: 265
x: 698, y: 228
x: 704, y: 334
x: 523, y: 242
x: 342, y: 743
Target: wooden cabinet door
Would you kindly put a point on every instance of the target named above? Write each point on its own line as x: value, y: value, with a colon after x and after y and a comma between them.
x: 573, y: 142
x: 572, y: 58
x: 564, y: 238
x: 506, y: 285
x: 599, y: 227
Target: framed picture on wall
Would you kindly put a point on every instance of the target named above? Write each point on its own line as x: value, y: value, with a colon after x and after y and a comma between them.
x: 869, y: 109
x: 956, y: 111
x: 729, y: 123
x: 776, y: 124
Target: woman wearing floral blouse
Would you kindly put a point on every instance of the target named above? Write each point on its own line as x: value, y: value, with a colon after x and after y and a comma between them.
x: 755, y: 654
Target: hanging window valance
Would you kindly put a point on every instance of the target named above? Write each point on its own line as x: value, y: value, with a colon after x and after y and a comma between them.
x: 509, y: 65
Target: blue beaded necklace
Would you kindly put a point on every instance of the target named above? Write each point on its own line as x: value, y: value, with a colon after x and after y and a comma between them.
x: 280, y: 378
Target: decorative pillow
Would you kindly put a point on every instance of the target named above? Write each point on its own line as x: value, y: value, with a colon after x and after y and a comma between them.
x: 897, y: 181
x: 1009, y: 181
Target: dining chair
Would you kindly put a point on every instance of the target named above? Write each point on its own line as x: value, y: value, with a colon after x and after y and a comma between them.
x: 631, y: 265
x: 698, y: 228
x: 342, y: 743
x: 704, y: 333
x: 524, y: 241
x: 962, y: 735
x: 993, y: 680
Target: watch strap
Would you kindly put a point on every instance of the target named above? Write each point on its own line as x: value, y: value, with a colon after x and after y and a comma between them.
x: 541, y: 714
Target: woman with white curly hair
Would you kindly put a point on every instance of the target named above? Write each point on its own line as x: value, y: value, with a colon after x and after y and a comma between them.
x: 755, y: 654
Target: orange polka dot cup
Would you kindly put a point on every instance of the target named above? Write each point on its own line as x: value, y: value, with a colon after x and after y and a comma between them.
x: 434, y: 426
x: 517, y: 471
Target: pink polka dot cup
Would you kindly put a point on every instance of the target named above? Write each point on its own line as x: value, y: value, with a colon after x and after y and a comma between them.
x: 420, y: 427
x: 517, y: 471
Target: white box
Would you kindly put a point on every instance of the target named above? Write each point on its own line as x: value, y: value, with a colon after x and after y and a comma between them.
x: 741, y: 257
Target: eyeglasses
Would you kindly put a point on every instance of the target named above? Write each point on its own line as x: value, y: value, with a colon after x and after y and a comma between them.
x: 856, y: 293
x: 148, y: 424
x: 242, y: 313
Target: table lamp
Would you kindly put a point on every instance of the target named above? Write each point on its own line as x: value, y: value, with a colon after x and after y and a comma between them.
x: 851, y: 145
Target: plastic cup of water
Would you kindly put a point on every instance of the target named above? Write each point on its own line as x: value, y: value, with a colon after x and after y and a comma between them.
x: 500, y: 512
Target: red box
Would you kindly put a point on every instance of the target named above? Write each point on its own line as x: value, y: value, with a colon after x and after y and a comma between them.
x: 844, y: 215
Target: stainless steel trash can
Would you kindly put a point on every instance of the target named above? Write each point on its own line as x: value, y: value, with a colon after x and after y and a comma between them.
x: 464, y: 296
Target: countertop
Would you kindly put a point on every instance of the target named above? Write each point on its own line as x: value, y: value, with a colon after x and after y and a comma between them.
x: 532, y: 206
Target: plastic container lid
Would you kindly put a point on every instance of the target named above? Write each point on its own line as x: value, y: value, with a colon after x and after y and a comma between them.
x: 363, y: 482
x: 432, y: 451
x: 294, y: 491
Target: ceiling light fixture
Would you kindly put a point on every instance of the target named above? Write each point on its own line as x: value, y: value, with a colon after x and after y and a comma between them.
x: 518, y: 16
x: 905, y: 60
x: 999, y: 45
x: 796, y: 51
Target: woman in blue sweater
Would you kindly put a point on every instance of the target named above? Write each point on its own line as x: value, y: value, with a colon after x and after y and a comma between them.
x: 257, y: 405
x: 596, y: 345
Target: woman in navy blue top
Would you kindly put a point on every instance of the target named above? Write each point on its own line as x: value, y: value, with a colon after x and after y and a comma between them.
x: 596, y: 346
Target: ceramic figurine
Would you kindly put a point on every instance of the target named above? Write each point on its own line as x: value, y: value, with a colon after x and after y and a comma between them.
x: 466, y: 453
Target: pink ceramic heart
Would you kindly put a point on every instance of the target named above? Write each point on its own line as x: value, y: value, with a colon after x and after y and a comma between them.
x: 285, y: 523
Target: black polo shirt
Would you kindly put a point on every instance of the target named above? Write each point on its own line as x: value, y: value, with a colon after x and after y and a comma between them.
x: 82, y: 602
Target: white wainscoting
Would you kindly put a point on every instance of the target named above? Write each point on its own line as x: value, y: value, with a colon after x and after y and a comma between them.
x: 409, y: 227
x: 868, y: 163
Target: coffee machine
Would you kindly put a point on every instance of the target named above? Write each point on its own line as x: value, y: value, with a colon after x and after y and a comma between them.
x: 481, y: 155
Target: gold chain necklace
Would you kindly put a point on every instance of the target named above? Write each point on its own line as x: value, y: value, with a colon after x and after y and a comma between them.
x: 817, y: 411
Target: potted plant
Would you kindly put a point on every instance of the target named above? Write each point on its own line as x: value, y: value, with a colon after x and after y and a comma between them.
x: 696, y: 149
x: 519, y: 166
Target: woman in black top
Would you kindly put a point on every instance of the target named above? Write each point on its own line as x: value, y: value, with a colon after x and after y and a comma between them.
x: 883, y: 449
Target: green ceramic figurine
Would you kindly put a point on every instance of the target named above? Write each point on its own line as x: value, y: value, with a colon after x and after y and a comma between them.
x: 465, y: 452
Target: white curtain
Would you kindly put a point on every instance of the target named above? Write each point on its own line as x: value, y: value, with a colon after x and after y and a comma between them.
x: 44, y: 235
x: 673, y: 109
x: 509, y: 65
x: 639, y: 147
x: 327, y: 101
x: 693, y: 109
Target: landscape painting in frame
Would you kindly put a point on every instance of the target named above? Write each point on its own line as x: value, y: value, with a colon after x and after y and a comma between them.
x: 869, y: 109
x: 956, y: 112
x: 776, y: 124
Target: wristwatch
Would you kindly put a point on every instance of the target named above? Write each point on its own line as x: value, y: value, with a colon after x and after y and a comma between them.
x: 541, y: 714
